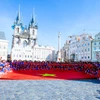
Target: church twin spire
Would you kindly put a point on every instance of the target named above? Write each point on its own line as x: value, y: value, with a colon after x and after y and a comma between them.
x: 33, y: 21
x: 18, y: 20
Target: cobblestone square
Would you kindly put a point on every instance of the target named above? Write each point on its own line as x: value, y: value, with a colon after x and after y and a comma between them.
x: 50, y: 90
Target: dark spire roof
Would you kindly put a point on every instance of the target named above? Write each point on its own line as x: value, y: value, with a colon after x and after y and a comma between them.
x: 32, y: 20
x: 33, y: 23
x: 17, y: 20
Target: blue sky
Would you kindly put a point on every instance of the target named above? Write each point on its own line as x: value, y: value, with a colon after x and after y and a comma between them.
x: 69, y: 17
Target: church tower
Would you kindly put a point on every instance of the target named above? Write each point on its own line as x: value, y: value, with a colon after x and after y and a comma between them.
x: 23, y: 40
x: 33, y: 29
x: 17, y: 27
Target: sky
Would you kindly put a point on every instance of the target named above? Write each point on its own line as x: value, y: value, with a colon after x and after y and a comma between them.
x: 70, y: 17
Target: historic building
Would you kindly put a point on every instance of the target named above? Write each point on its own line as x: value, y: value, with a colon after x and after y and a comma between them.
x: 43, y: 53
x: 84, y: 48
x: 96, y: 48
x: 79, y: 48
x: 24, y: 42
x: 3, y: 46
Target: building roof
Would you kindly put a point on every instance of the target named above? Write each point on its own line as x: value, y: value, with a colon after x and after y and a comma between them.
x: 2, y: 35
x: 98, y: 34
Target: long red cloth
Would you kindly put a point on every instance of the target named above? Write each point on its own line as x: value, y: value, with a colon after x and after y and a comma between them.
x: 38, y: 75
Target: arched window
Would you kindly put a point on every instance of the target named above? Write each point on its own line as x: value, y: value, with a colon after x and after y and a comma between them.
x: 33, y: 32
x: 29, y: 41
x: 19, y: 40
x: 17, y: 29
x: 25, y: 43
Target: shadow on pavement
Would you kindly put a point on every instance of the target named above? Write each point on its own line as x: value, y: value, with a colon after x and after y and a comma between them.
x: 95, y: 81
x: 98, y: 97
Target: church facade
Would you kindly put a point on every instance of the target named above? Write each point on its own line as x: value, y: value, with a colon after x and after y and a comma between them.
x: 24, y: 42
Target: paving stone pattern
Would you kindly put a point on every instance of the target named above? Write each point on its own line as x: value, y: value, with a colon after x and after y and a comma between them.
x: 50, y: 90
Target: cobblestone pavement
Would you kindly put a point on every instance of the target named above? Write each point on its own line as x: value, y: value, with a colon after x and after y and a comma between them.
x: 50, y: 90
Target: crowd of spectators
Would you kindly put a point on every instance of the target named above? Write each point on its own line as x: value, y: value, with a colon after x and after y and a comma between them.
x: 4, y: 66
x: 92, y: 68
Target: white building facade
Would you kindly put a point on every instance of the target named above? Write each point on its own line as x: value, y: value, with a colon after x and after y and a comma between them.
x: 79, y: 48
x: 96, y: 48
x: 43, y: 53
x: 24, y: 42
x: 3, y: 46
x: 83, y: 51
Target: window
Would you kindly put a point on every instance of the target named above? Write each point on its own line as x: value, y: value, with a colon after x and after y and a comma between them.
x: 17, y: 29
x: 88, y: 57
x: 88, y: 43
x: 94, y: 48
x: 33, y: 32
x: 85, y: 49
x: 99, y: 42
x: 95, y: 43
x: 29, y: 41
x: 85, y: 57
x: 85, y: 44
x: 19, y: 40
x: 25, y: 43
x: 88, y: 49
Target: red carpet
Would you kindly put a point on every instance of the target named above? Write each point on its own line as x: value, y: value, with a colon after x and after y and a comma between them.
x: 45, y: 75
